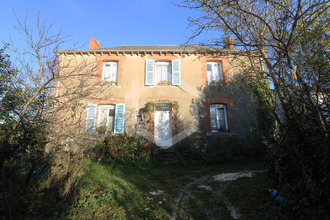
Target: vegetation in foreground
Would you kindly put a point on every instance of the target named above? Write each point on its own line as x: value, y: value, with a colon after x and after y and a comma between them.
x: 111, y: 189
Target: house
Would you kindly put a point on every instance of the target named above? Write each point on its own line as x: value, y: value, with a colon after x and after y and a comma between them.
x: 164, y: 93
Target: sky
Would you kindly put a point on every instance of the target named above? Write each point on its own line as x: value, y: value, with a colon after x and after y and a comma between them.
x: 112, y: 22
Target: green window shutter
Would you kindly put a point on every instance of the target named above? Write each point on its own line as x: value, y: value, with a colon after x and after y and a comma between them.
x: 119, y: 118
x: 90, y: 118
x: 176, y: 72
x: 149, y: 77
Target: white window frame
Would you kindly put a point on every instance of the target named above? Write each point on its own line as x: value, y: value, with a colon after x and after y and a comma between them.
x: 167, y: 77
x: 113, y: 77
x: 107, y: 107
x: 211, y: 75
x: 219, y: 128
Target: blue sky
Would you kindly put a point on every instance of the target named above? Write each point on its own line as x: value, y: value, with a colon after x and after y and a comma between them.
x: 112, y: 22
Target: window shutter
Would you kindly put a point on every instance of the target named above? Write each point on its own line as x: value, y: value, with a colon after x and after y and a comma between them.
x: 119, y: 118
x: 90, y: 118
x: 176, y: 72
x: 149, y: 77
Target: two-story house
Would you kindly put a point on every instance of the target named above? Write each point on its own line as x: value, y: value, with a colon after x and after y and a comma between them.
x: 164, y: 93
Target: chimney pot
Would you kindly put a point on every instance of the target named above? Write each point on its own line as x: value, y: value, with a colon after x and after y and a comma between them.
x: 230, y: 44
x: 94, y: 44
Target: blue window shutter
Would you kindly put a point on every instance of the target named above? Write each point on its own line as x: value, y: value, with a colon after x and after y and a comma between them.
x: 149, y: 77
x: 119, y: 118
x: 176, y: 72
x: 90, y: 118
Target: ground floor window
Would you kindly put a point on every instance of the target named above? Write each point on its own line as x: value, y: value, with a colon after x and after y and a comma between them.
x: 111, y: 116
x: 218, y: 115
x: 107, y: 117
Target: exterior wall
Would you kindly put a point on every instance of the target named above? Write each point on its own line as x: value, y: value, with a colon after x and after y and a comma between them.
x: 80, y: 84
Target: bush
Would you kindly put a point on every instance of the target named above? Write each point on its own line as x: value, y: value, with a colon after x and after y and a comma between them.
x: 102, y: 129
x: 125, y: 148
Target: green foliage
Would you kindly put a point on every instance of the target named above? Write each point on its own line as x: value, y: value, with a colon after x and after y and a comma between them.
x: 164, y: 82
x: 190, y: 155
x: 262, y: 129
x: 117, y: 192
x: 30, y: 133
x: 255, y: 202
x: 230, y: 147
x: 292, y: 38
x: 149, y: 107
x: 216, y: 84
x: 10, y: 97
x: 109, y: 83
x: 125, y: 148
x: 102, y: 129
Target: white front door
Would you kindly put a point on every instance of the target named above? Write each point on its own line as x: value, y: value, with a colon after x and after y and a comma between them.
x: 163, y: 126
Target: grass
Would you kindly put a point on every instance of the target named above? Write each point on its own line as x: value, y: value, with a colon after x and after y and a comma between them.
x: 111, y: 190
x: 253, y: 199
x: 114, y: 191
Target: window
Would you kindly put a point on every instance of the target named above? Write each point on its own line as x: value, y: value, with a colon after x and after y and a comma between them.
x: 110, y: 70
x: 214, y: 72
x: 111, y: 116
x: 160, y: 72
x: 218, y: 115
x: 107, y: 117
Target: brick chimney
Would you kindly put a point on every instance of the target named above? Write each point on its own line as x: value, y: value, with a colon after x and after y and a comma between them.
x: 230, y: 44
x: 94, y: 44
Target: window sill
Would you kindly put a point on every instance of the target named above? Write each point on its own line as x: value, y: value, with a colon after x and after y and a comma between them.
x: 163, y: 84
x: 160, y: 86
x: 109, y: 83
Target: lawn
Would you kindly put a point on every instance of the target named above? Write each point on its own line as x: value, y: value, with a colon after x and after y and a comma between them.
x: 115, y: 191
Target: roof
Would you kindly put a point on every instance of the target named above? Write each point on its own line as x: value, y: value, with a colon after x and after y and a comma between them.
x: 191, y: 48
x: 140, y: 49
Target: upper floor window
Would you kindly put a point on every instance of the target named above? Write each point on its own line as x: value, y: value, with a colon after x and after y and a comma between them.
x: 162, y: 72
x: 110, y: 71
x: 214, y: 72
x: 218, y: 116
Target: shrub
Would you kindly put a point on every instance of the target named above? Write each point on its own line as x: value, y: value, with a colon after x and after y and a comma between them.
x: 102, y: 129
x: 230, y: 147
x: 125, y: 148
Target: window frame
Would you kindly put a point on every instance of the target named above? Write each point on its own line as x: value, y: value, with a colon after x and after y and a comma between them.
x: 108, y: 107
x: 220, y: 72
x: 169, y: 72
x: 173, y: 74
x: 219, y: 129
x: 111, y: 76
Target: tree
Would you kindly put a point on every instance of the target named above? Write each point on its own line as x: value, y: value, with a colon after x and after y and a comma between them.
x: 25, y: 95
x: 28, y: 93
x: 292, y: 39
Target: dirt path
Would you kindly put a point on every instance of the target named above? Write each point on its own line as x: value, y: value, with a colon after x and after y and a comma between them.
x: 204, y: 195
